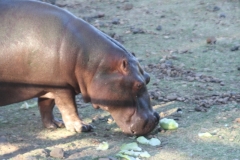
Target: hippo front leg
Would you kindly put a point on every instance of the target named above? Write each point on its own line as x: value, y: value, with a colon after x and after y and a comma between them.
x: 46, y: 110
x: 65, y: 101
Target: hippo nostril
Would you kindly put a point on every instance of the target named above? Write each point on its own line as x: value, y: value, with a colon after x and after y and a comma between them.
x: 133, y: 132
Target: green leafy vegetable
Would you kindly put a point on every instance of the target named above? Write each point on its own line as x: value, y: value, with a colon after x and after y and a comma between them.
x: 142, y: 140
x: 145, y: 154
x: 131, y: 146
x: 154, y: 142
x: 168, y: 124
x: 127, y: 157
x: 103, y: 146
x: 206, y: 134
x: 130, y: 153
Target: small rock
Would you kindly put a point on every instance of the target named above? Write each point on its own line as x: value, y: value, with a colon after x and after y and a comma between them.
x: 238, y: 68
x: 235, y: 48
x: 177, y: 114
x: 88, y: 18
x: 4, y: 121
x: 190, y: 79
x: 159, y: 28
x: 213, y: 8
x: 154, y: 95
x: 94, y: 134
x: 136, y: 30
x: 116, y: 21
x: 110, y: 120
x: 223, y: 100
x: 128, y: 6
x: 118, y: 38
x: 106, y: 135
x: 162, y: 16
x: 30, y: 158
x: 161, y: 114
x: 216, y: 8
x: 184, y: 51
x: 112, y: 158
x: 44, y: 153
x: 216, y: 80
x: 179, y: 110
x: 211, y: 40
x: 200, y: 109
x: 166, y: 37
x: 75, y: 156
x: 205, y: 135
x: 221, y: 137
x: 160, y: 98
x: 237, y: 120
x: 222, y: 83
x: 181, y: 99
x: 96, y: 118
x: 61, y: 3
x: 100, y: 24
x: 210, y: 88
x: 222, y: 15
x: 172, y: 97
x: 57, y: 153
x: 3, y: 139
x: 100, y: 15
x: 168, y: 63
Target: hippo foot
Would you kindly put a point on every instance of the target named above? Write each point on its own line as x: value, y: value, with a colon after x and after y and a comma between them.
x: 87, y: 128
x: 79, y: 127
x: 54, y: 124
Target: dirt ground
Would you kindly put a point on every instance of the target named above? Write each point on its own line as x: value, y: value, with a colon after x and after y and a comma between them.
x: 191, y: 50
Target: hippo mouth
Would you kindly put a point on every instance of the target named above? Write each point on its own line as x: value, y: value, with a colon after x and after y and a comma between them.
x: 144, y: 120
x: 142, y: 124
x: 131, y: 122
x: 138, y: 119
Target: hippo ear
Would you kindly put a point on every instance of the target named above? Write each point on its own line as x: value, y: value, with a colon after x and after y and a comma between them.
x: 124, y: 65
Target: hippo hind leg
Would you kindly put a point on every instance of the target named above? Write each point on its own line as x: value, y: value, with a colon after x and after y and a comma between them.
x: 46, y: 106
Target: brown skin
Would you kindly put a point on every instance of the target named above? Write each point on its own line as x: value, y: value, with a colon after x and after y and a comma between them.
x: 48, y: 53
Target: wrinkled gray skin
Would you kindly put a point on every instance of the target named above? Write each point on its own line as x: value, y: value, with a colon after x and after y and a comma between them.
x: 47, y: 52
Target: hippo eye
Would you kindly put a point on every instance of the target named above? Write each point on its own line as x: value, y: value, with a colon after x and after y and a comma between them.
x: 124, y: 65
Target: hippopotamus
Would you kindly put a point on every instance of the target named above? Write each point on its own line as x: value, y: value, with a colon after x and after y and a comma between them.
x: 48, y: 53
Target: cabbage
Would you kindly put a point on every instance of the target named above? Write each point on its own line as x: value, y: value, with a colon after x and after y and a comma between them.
x: 142, y: 140
x: 168, y: 124
x: 103, y: 146
x: 131, y: 146
x: 154, y: 142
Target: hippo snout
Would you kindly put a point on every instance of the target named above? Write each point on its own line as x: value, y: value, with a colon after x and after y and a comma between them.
x: 144, y: 124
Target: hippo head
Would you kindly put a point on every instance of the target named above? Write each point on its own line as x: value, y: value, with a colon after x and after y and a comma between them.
x: 119, y: 87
